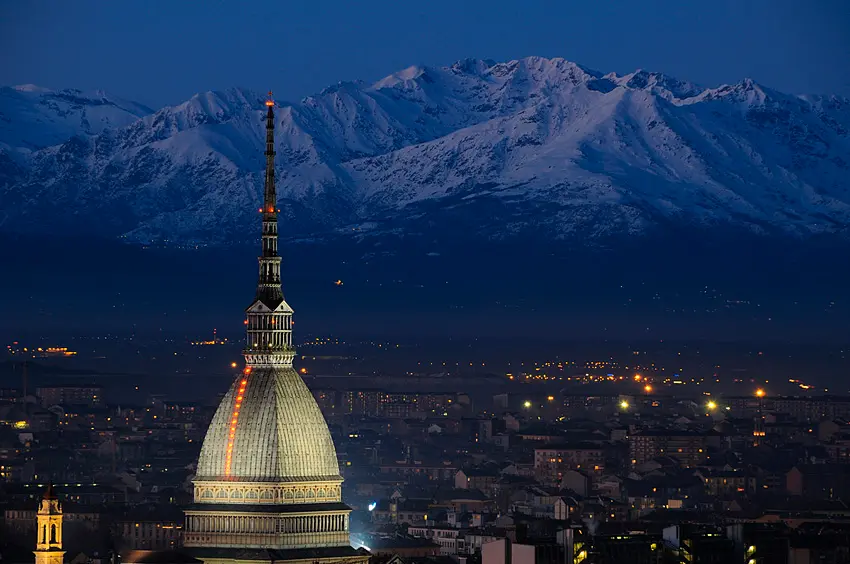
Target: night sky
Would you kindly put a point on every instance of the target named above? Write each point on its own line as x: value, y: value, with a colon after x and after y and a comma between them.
x: 161, y: 52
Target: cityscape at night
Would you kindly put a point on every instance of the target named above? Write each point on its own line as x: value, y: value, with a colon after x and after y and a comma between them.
x: 546, y: 314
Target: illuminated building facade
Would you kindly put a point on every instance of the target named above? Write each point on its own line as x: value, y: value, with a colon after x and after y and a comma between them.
x: 268, y: 485
x: 91, y: 396
x: 552, y: 461
x: 688, y: 447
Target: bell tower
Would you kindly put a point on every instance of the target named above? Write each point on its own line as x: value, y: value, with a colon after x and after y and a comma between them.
x: 48, y: 548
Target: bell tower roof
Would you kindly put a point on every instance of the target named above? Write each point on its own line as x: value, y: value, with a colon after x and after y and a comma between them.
x: 49, y: 493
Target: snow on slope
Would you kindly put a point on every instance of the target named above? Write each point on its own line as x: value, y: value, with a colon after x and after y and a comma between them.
x: 559, y: 148
x: 733, y: 154
x: 32, y: 117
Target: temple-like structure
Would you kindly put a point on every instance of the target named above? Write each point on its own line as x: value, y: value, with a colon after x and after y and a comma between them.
x: 268, y: 487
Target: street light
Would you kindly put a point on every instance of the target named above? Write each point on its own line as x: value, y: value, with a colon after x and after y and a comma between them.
x: 624, y: 404
x: 527, y: 404
x: 759, y: 393
x: 647, y: 388
x: 711, y: 405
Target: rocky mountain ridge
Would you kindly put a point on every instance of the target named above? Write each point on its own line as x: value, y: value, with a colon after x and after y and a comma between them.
x: 538, y: 146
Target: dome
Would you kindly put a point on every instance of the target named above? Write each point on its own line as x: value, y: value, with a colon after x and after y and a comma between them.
x: 280, y: 434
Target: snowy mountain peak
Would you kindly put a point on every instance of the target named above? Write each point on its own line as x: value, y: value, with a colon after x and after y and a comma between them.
x: 746, y: 94
x: 220, y: 105
x: 475, y: 67
x: 406, y: 75
x: 32, y: 117
x: 341, y: 86
x: 665, y: 86
x: 34, y: 88
x: 540, y: 69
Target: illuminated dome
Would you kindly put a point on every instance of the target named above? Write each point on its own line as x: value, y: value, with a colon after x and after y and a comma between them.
x: 278, y: 432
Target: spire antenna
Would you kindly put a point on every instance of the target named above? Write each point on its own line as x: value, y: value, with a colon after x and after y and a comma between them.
x: 268, y: 285
x: 269, y: 317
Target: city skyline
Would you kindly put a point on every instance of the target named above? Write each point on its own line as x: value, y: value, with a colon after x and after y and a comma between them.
x: 546, y: 315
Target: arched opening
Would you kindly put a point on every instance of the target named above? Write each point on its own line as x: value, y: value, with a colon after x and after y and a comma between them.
x: 44, y: 535
x: 53, y: 533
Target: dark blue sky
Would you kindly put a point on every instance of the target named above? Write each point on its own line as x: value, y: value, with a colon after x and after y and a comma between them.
x: 161, y: 52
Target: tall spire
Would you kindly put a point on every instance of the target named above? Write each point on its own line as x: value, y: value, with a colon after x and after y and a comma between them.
x: 269, y: 197
x: 269, y: 318
x: 268, y: 286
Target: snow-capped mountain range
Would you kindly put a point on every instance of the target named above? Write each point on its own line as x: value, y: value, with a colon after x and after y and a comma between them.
x: 33, y: 118
x: 541, y: 146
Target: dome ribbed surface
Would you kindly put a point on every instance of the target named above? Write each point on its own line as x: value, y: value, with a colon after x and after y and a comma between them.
x: 280, y: 433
